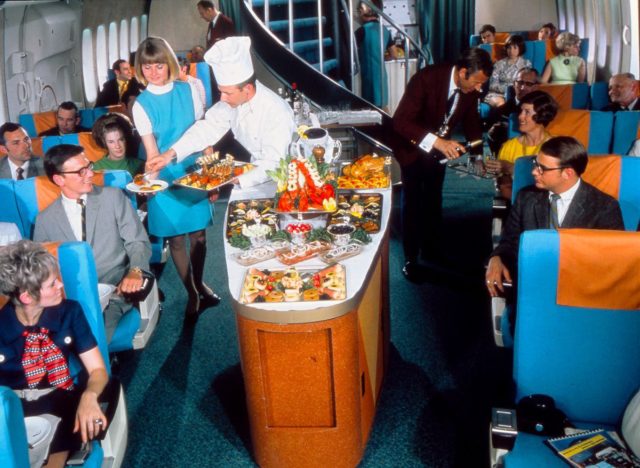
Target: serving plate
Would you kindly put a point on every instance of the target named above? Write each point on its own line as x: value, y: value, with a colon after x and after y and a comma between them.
x: 241, y: 212
x: 292, y: 285
x: 361, y: 209
x: 217, y: 177
x: 370, y: 180
x: 152, y: 186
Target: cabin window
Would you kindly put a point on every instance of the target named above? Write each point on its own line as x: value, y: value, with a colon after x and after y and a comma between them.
x: 144, y: 22
x: 615, y: 30
x: 88, y: 73
x: 102, y: 67
x: 135, y: 35
x: 124, y: 39
x: 114, y: 52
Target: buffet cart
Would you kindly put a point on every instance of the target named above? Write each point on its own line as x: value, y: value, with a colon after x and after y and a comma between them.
x: 313, y: 370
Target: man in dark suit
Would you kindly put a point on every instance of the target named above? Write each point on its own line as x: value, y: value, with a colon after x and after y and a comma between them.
x: 220, y: 26
x: 113, y: 90
x: 107, y: 222
x: 557, y: 171
x: 623, y: 93
x: 68, y: 118
x: 18, y: 161
x: 436, y: 99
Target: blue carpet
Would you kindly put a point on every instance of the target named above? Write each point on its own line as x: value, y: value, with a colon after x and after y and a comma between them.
x: 185, y: 393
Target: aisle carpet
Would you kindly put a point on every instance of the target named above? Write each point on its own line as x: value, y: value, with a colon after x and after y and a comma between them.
x: 185, y: 393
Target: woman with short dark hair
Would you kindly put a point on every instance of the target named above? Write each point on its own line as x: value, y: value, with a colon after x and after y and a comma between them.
x: 537, y: 110
x: 506, y: 69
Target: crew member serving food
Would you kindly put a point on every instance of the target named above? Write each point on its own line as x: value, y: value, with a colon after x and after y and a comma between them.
x: 260, y: 120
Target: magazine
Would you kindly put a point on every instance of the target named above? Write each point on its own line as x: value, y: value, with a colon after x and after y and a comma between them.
x: 597, y: 448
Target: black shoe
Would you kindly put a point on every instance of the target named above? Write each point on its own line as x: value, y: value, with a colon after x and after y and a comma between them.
x: 413, y: 272
x: 193, y: 310
x: 208, y: 300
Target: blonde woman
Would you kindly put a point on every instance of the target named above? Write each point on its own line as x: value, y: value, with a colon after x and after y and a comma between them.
x: 567, y: 67
x: 162, y: 113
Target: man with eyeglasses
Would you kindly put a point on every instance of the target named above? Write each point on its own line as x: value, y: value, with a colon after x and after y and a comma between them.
x: 559, y: 199
x: 101, y: 216
x: 18, y: 161
x: 526, y: 81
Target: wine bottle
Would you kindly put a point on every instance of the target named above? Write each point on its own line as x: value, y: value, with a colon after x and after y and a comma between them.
x: 465, y: 147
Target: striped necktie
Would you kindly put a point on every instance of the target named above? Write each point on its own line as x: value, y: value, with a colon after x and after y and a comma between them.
x: 19, y: 173
x: 83, y: 217
x: 553, y: 211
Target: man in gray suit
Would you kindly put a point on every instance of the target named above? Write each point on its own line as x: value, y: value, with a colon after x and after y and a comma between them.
x: 18, y: 162
x: 557, y: 170
x: 103, y: 217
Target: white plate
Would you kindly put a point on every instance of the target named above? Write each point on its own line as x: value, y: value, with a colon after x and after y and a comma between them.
x: 133, y: 187
x: 38, y: 429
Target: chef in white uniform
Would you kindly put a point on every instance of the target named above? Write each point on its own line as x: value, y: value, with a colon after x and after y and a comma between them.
x: 260, y: 120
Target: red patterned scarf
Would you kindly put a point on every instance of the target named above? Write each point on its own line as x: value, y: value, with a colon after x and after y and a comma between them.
x: 41, y: 356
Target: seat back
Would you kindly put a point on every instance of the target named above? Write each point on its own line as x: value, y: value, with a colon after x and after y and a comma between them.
x: 536, y: 52
x: 599, y: 95
x: 38, y: 122
x: 495, y: 50
x: 625, y: 131
x: 584, y: 356
x: 13, y: 435
x: 202, y: 71
x: 9, y: 212
x: 568, y: 96
x: 593, y: 129
x: 92, y: 151
x: 35, y: 194
x: 613, y: 174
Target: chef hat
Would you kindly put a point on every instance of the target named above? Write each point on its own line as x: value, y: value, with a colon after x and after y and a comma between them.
x: 230, y: 59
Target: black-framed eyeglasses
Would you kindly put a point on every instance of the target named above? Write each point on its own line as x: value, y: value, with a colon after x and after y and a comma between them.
x: 541, y: 168
x: 81, y: 172
x: 525, y: 83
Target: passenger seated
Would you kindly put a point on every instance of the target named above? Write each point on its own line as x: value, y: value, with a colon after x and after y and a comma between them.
x: 39, y: 331
x: 623, y: 93
x: 526, y: 81
x: 537, y: 110
x: 18, y: 161
x: 113, y: 90
x: 559, y: 199
x: 114, y: 133
x: 197, y: 54
x: 488, y: 34
x: 68, y: 118
x: 567, y: 67
x: 547, y: 31
x: 101, y: 216
x: 506, y: 69
x: 192, y: 80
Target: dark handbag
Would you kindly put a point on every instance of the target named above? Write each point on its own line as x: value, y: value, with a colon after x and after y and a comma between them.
x: 537, y: 414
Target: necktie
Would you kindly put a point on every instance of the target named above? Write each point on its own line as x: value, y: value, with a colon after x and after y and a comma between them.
x: 83, y: 219
x: 41, y: 356
x: 19, y: 173
x: 122, y: 87
x: 452, y: 102
x: 210, y: 34
x: 553, y: 211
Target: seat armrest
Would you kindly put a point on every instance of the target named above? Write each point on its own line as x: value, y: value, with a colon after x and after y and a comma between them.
x: 150, y: 302
x: 504, y: 428
x: 498, y: 305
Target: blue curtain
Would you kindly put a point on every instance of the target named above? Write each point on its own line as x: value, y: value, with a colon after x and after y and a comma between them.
x: 231, y: 8
x: 445, y: 26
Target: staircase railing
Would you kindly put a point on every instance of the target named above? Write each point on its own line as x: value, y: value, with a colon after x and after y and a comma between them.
x: 411, y: 48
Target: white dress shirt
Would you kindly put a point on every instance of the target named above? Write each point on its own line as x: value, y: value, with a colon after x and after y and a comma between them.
x: 264, y: 126
x: 14, y: 169
x: 74, y: 214
x: 565, y: 201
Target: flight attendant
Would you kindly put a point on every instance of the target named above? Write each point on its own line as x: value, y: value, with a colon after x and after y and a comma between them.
x: 162, y: 113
